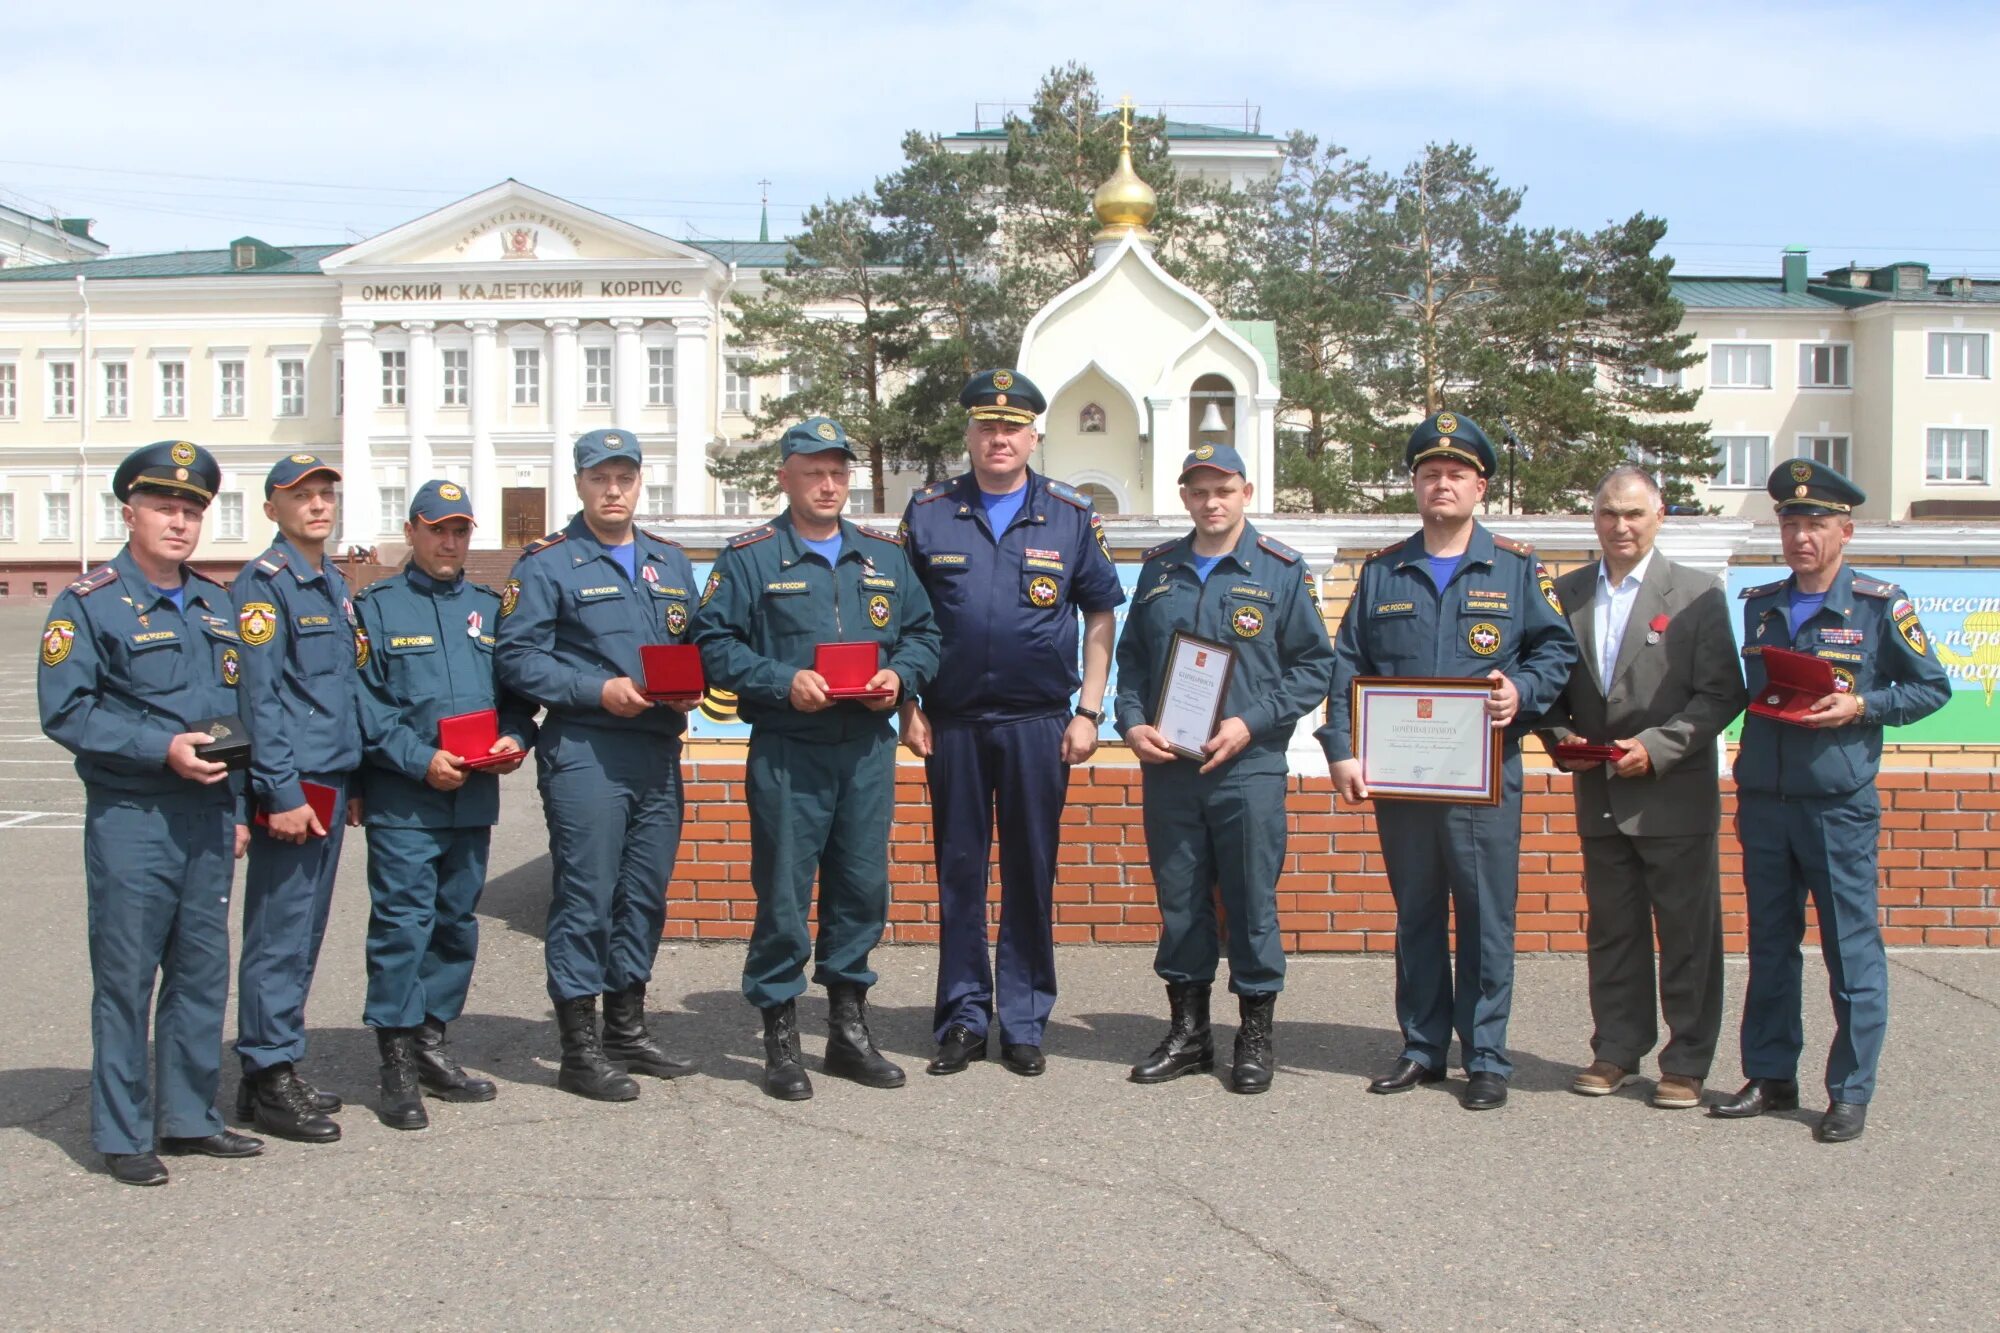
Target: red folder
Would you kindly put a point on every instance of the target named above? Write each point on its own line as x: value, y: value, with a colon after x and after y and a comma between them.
x: 673, y: 672
x: 1588, y: 752
x: 318, y: 797
x: 848, y: 667
x: 1793, y: 683
x: 470, y: 736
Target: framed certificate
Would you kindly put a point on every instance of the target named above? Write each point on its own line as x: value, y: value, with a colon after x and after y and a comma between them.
x: 1423, y: 738
x: 1192, y: 691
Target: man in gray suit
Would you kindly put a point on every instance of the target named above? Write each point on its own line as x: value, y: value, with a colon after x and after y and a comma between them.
x: 1658, y: 677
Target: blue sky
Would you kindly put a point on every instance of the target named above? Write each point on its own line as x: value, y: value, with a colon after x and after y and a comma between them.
x: 1860, y: 131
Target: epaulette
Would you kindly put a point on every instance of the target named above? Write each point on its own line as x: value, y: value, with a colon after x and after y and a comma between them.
x: 544, y: 543
x: 1761, y: 589
x: 1162, y: 548
x: 1509, y: 544
x: 893, y: 538
x: 660, y: 537
x: 272, y: 561
x: 1390, y: 549
x: 360, y: 593
x: 1867, y: 587
x: 1068, y: 493
x: 95, y: 579
x: 197, y: 576
x: 477, y: 587
x: 1279, y: 549
x: 751, y: 538
x: 937, y: 490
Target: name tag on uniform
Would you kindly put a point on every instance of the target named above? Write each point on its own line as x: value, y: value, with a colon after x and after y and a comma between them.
x: 1395, y: 608
x: 788, y: 586
x: 312, y: 622
x: 1245, y: 590
x: 153, y: 638
x: 1042, y: 562
x: 664, y: 591
x: 948, y: 560
x: 1155, y: 591
x: 413, y: 641
x: 594, y: 594
x: 1836, y: 655
x: 878, y: 581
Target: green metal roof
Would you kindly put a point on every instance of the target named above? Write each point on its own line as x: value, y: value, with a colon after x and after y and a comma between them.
x: 1746, y: 294
x: 747, y: 254
x: 299, y: 259
x: 1261, y: 334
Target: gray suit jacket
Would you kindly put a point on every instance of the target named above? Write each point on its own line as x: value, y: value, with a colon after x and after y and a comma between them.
x: 1674, y: 696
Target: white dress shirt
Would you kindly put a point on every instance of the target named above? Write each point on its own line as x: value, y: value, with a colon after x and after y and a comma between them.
x: 1612, y: 611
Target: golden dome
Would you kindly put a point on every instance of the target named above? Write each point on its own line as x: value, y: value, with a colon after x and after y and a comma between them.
x: 1125, y: 202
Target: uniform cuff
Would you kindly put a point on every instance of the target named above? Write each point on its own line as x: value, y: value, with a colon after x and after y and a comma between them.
x: 285, y: 796
x: 149, y: 745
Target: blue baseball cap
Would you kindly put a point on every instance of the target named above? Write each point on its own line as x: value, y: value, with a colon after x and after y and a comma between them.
x: 814, y: 435
x: 289, y: 472
x: 171, y: 467
x: 1221, y: 457
x: 599, y: 446
x: 1449, y: 435
x: 440, y: 500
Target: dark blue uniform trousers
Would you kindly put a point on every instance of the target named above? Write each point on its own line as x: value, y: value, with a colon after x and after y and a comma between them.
x: 287, y: 894
x: 423, y: 885
x: 1224, y: 833
x: 1823, y: 846
x: 613, y: 802
x: 1015, y: 769
x: 156, y: 874
x: 817, y: 807
x: 1444, y: 859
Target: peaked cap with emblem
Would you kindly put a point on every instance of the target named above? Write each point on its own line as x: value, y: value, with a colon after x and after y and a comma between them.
x: 289, y: 471
x: 1002, y: 395
x: 1221, y: 457
x: 1449, y: 435
x: 1806, y: 486
x: 171, y: 467
x: 440, y: 500
x: 600, y: 446
x: 814, y: 435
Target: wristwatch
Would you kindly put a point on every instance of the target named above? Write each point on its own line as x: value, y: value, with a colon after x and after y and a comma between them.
x: 1094, y: 714
x: 1860, y: 707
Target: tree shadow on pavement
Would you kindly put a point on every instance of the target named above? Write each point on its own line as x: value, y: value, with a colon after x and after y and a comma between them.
x: 519, y: 899
x: 54, y: 1105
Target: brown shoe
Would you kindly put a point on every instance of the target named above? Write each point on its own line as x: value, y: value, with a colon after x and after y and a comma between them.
x: 1677, y: 1092
x: 1601, y: 1080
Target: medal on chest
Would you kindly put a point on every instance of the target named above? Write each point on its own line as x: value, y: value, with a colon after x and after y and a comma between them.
x: 474, y: 622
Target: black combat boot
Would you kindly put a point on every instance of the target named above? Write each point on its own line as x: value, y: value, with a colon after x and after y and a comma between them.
x: 784, y: 1077
x: 850, y: 1050
x: 584, y: 1069
x: 440, y: 1072
x: 626, y: 1041
x: 281, y: 1104
x: 402, y: 1104
x: 246, y: 1099
x: 1189, y: 1044
x: 1254, y: 1061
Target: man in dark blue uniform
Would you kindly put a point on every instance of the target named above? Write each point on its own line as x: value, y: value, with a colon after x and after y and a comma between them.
x: 1217, y: 823
x: 300, y: 701
x: 1452, y: 600
x: 1806, y: 810
x: 136, y: 656
x: 821, y: 771
x: 427, y: 639
x: 1009, y: 558
x: 581, y: 604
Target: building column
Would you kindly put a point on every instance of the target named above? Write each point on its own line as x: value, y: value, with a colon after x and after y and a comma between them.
x: 1170, y: 434
x: 1264, y: 409
x: 483, y: 395
x: 361, y: 390
x: 419, y: 398
x: 694, y: 426
x: 563, y: 501
x: 628, y: 374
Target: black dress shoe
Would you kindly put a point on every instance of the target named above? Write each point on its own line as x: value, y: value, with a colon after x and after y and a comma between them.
x: 136, y: 1168
x: 1484, y: 1091
x: 228, y: 1143
x: 1022, y: 1058
x: 1758, y: 1096
x: 959, y: 1048
x: 1406, y: 1075
x: 1842, y: 1122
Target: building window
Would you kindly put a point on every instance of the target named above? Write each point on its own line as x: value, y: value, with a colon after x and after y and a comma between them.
x: 1958, y: 356
x: 659, y: 504
x: 229, y: 388
x: 117, y: 389
x: 1739, y: 365
x: 1090, y: 421
x: 55, y: 516
x: 1952, y: 454
x: 1742, y: 460
x: 340, y: 386
x: 597, y: 377
x: 111, y: 518
x: 1100, y: 497
x: 395, y: 509
x: 10, y: 391
x: 736, y: 385
x: 735, y: 503
x: 1824, y: 366
x: 457, y: 376
x: 173, y: 388
x: 6, y: 516
x: 1652, y: 377
x: 1830, y: 450
x: 659, y: 377
x: 62, y: 388
x: 291, y: 388
x: 395, y: 379
x: 229, y: 516
x: 527, y: 376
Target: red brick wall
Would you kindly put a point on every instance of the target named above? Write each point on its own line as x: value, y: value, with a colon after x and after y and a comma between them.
x: 1940, y: 864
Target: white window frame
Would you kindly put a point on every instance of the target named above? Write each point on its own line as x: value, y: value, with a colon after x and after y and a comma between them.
x: 1846, y: 356
x: 1842, y: 449
x: 340, y: 386
x: 55, y: 400
x: 225, y: 529
x: 662, y: 366
x: 10, y: 391
x: 1985, y: 477
x: 739, y: 390
x: 1758, y: 475
x: 51, y: 530
x: 290, y: 403
x: 174, y: 408
x: 224, y: 408
x: 736, y: 503
x: 1652, y: 377
x: 395, y: 377
x: 454, y: 377
x: 597, y: 387
x: 656, y: 502
x: 1715, y: 380
x: 8, y: 530
x: 394, y: 507
x: 122, y: 408
x: 1931, y: 336
x: 111, y: 518
x: 525, y: 376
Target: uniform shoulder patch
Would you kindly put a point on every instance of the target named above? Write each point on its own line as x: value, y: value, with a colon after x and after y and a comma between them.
x: 196, y: 576
x: 1162, y: 548
x: 1761, y: 590
x: 271, y: 561
x: 1068, y: 494
x: 1509, y: 544
x: 543, y: 543
x: 750, y: 538
x: 1867, y: 587
x: 102, y: 576
x: 1390, y: 549
x: 1279, y: 549
x: 937, y: 490
x: 660, y: 537
x: 894, y: 539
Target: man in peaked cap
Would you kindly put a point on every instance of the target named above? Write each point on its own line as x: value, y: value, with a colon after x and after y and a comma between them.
x: 1806, y: 810
x: 581, y: 604
x: 140, y: 656
x: 1009, y: 558
x: 1452, y: 600
x: 301, y: 703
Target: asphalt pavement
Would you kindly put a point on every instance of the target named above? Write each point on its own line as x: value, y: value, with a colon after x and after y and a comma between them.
x: 983, y: 1200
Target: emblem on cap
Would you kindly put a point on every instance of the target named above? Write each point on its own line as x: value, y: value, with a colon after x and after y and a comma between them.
x: 1446, y: 423
x: 612, y: 438
x: 1003, y: 380
x: 826, y: 431
x: 1204, y: 452
x: 999, y: 400
x: 450, y: 492
x: 1799, y: 492
x: 303, y: 459
x: 182, y: 452
x: 1802, y: 471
